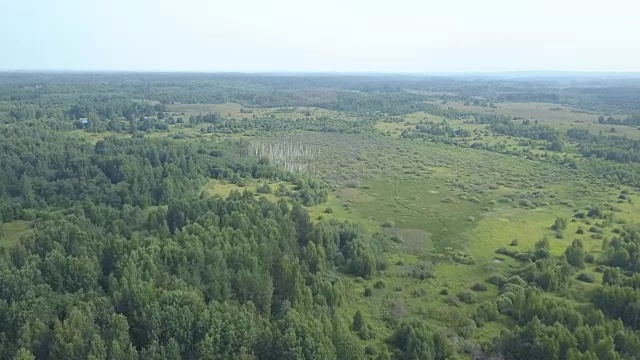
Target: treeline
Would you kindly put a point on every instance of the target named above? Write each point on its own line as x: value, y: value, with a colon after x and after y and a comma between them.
x: 218, y: 124
x: 620, y: 295
x: 631, y: 120
x: 608, y: 147
x: 504, y: 125
x: 42, y: 168
x: 431, y: 129
x: 203, y: 278
x: 554, y: 328
x: 104, y: 96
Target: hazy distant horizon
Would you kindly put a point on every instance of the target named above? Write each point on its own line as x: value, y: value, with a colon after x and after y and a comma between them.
x: 523, y: 73
x: 357, y: 36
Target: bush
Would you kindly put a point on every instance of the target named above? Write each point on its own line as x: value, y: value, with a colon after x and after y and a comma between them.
x: 461, y: 257
x: 352, y: 184
x: 264, y: 189
x: 485, y: 313
x: 497, y: 280
x: 444, y: 292
x: 466, y: 296
x: 368, y: 292
x: 517, y: 280
x: 419, y: 292
x: 453, y: 300
x: 580, y: 231
x: 479, y: 286
x: 590, y: 259
x: 559, y: 224
x: 422, y: 271
x: 584, y: 277
x: 370, y: 350
x: 388, y: 224
x: 328, y: 210
x: 467, y: 328
x: 514, y: 242
x: 379, y: 284
x: 595, y: 229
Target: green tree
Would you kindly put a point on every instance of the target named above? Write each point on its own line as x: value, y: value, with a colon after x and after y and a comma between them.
x: 576, y: 254
x: 24, y: 354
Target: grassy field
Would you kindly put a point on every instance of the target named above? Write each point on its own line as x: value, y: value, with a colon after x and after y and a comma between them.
x: 11, y: 232
x: 226, y: 110
x: 448, y: 207
x: 223, y: 189
x: 563, y: 117
x: 445, y: 201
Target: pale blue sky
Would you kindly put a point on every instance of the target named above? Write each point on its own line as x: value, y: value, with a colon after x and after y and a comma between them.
x: 321, y: 35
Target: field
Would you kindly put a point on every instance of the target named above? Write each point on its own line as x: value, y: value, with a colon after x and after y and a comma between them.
x: 444, y: 200
x: 346, y: 218
x: 440, y: 202
x: 560, y: 116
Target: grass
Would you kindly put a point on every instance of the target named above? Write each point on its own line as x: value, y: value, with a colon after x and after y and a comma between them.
x: 225, y: 109
x: 223, y: 188
x: 12, y: 231
x: 442, y: 199
x: 563, y: 117
x: 545, y: 113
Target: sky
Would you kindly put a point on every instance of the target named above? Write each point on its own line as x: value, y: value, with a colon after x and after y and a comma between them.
x: 406, y: 36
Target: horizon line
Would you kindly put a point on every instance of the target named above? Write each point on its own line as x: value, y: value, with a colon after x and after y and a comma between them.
x: 530, y: 73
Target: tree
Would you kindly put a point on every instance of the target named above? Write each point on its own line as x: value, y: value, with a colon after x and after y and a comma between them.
x: 24, y: 354
x: 119, y: 344
x: 575, y: 254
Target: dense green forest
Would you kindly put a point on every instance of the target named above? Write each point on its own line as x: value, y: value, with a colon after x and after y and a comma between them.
x: 267, y: 216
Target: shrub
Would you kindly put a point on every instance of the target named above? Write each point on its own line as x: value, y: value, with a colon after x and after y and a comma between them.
x: 461, y: 257
x: 584, y: 277
x: 370, y: 350
x: 590, y: 259
x: 422, y: 271
x: 485, y: 313
x: 466, y: 296
x: 264, y: 189
x: 497, y: 279
x: 352, y: 184
x: 388, y: 224
x: 328, y: 210
x: 419, y: 292
x: 379, y: 284
x: 559, y: 224
x: 595, y: 229
x: 467, y: 327
x: 517, y: 280
x: 453, y: 300
x: 368, y: 292
x: 580, y: 231
x: 479, y: 286
x: 444, y: 292
x: 514, y: 242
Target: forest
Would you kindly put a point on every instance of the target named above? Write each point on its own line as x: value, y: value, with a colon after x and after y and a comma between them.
x: 327, y: 216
